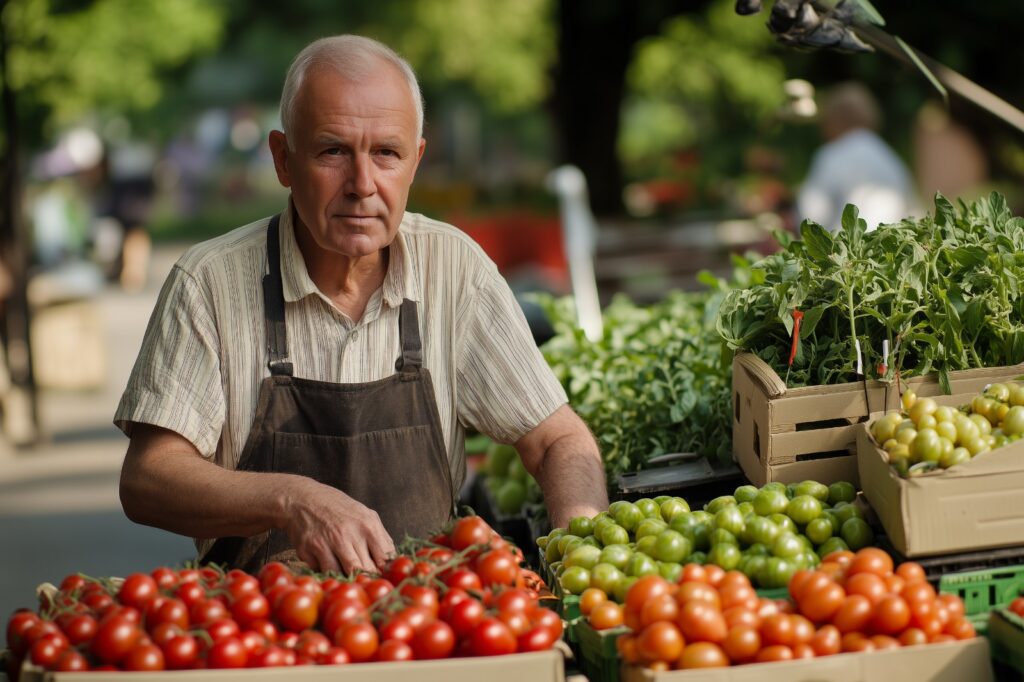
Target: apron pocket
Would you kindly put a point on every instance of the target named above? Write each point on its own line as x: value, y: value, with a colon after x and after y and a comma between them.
x: 396, y: 472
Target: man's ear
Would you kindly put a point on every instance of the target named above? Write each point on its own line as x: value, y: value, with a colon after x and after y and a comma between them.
x: 279, y: 149
x: 419, y: 154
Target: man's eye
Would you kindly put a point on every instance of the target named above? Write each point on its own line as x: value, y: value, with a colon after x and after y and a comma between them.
x: 387, y: 152
x: 332, y: 151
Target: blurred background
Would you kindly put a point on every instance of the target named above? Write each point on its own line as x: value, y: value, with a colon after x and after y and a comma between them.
x: 133, y: 129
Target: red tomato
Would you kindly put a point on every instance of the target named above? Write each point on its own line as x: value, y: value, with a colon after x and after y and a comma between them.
x: 497, y: 567
x: 420, y: 595
x: 144, y: 657
x: 398, y: 569
x: 491, y: 637
x: 81, y: 629
x: 434, y: 640
x: 394, y: 650
x: 222, y: 629
x: 778, y: 629
x: 297, y: 610
x: 206, y: 611
x: 352, y: 591
x: 334, y: 656
x: 18, y: 625
x: 227, y: 653
x: 1017, y: 606
x: 400, y: 630
x: 45, y: 650
x: 250, y: 607
x: 190, y: 592
x: 377, y: 589
x: 271, y: 657
x: 115, y: 637
x: 70, y: 661
x: 469, y: 531
x: 360, y: 640
x: 464, y: 579
x: 165, y: 577
x: 311, y: 644
x: 180, y: 652
x: 537, y: 638
x: 514, y: 601
x: 137, y: 589
x: 170, y: 611
x: 465, y: 615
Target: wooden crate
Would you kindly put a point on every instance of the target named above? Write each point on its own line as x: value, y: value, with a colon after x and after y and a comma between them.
x: 793, y: 434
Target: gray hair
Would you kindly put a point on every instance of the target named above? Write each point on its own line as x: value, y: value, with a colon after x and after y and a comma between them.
x: 351, y: 56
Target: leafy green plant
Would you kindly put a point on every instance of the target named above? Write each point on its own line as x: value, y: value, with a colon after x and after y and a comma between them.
x: 657, y: 381
x: 943, y: 291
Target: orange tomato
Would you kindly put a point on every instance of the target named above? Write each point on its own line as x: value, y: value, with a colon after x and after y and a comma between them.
x: 703, y: 655
x: 692, y: 591
x: 644, y: 589
x: 961, y: 628
x: 892, y: 615
x: 827, y: 641
x: 700, y: 621
x: 778, y: 629
x: 738, y: 615
x: 606, y: 615
x: 738, y: 595
x: 715, y: 574
x: 918, y: 592
x: 822, y: 604
x: 867, y: 584
x: 734, y: 579
x: 741, y: 643
x: 625, y: 646
x: 954, y: 604
x: 694, y: 573
x: 853, y: 615
x: 660, y: 608
x: 660, y: 641
x: 803, y: 651
x: 871, y: 560
x: 590, y: 598
x: 803, y: 629
x: 843, y: 557
x: 775, y: 652
x: 913, y: 637
x: 883, y: 642
x: 911, y: 572
x: 856, y: 641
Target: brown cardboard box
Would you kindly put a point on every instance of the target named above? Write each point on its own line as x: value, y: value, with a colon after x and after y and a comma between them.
x: 966, y: 661
x: 792, y: 434
x: 542, y: 666
x: 974, y: 505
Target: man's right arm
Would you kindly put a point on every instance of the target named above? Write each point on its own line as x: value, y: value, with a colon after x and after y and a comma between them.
x: 166, y: 483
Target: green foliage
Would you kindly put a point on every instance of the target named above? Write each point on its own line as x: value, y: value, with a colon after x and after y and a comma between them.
x: 656, y: 382
x: 944, y: 291
x: 504, y: 50
x: 714, y: 71
x: 110, y: 54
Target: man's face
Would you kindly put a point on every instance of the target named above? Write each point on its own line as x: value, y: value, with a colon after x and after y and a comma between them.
x: 354, y: 154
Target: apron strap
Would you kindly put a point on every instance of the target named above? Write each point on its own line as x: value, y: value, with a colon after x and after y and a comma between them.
x: 409, y: 333
x: 273, y: 305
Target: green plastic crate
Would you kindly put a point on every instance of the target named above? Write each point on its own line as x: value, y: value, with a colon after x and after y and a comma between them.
x: 983, y: 591
x: 598, y: 659
x: 1006, y: 637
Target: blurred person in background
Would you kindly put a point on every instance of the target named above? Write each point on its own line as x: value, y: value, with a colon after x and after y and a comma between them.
x: 855, y: 165
x: 305, y: 383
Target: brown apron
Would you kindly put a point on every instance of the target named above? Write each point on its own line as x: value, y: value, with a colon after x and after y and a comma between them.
x: 380, y: 442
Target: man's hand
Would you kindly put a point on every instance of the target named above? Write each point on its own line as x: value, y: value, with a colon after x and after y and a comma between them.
x: 331, y: 531
x: 166, y: 483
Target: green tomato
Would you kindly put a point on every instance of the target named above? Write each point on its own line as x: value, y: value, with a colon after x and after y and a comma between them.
x: 776, y: 573
x: 584, y: 555
x: 746, y: 509
x: 551, y: 552
x: 784, y: 523
x: 581, y: 526
x: 627, y: 515
x: 672, y: 546
x: 770, y: 502
x: 841, y: 491
x: 721, y: 536
x: 745, y: 493
x: 592, y: 541
x: 818, y: 491
x: 720, y: 503
x: 619, y: 593
x: 650, y: 526
x: 857, y: 534
x: 614, y: 535
x: 954, y: 457
x: 616, y: 555
x: 640, y: 565
x: 760, y: 530
x: 726, y: 556
x: 845, y: 512
x: 649, y: 508
x: 787, y: 546
x: 803, y: 509
x: 819, y: 530
x: 698, y: 558
x: 833, y: 544
x: 575, y: 579
x: 806, y: 560
x: 556, y: 568
x: 757, y: 549
x: 703, y: 516
x: 833, y: 518
x: 751, y: 566
x: 661, y: 499
x: 601, y: 524
x: 684, y: 523
x: 605, y: 577
x: 565, y: 541
x: 776, y: 485
x: 730, y: 519
x: 672, y: 508
x: 646, y: 544
x: 670, y: 572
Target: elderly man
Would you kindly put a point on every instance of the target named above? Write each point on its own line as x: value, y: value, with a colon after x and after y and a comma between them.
x: 305, y: 381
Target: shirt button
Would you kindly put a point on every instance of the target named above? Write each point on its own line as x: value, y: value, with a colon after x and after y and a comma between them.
x: 354, y: 335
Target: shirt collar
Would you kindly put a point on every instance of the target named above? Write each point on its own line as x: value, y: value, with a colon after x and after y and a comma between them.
x: 400, y: 281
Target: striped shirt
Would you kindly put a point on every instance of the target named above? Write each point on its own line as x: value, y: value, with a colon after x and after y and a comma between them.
x: 204, y: 354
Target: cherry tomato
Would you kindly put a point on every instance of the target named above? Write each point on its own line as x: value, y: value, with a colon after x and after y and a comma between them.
x: 164, y: 577
x: 115, y: 637
x: 137, y: 589
x: 465, y: 616
x: 45, y: 650
x: 469, y: 531
x: 377, y: 588
x: 497, y: 567
x: 398, y: 569
x: 434, y: 640
x: 180, y: 652
x: 334, y: 656
x: 537, y: 638
x: 81, y: 629
x: 395, y: 650
x: 400, y: 630
x: 297, y: 610
x: 360, y: 640
x: 222, y: 629
x: 420, y: 595
x: 18, y: 625
x: 71, y: 661
x: 144, y: 657
x: 491, y: 637
x: 250, y: 607
x: 227, y: 653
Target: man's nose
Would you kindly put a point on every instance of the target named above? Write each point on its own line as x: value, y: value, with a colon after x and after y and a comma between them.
x: 361, y: 181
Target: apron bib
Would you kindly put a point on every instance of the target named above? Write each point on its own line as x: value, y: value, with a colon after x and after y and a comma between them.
x: 379, y: 442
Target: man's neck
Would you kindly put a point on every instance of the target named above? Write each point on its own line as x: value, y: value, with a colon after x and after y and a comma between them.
x: 347, y: 282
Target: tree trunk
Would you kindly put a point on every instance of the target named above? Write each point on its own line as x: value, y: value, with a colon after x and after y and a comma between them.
x: 21, y: 417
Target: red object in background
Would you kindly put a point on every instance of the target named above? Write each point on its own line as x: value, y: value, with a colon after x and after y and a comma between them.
x: 797, y: 317
x: 520, y: 240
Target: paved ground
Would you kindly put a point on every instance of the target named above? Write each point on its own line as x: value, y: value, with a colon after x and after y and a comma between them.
x: 59, y: 507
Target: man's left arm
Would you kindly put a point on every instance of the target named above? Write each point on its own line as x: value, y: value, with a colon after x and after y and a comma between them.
x: 562, y: 455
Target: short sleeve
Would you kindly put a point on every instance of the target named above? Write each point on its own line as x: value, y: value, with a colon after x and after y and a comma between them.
x: 175, y: 383
x: 505, y: 387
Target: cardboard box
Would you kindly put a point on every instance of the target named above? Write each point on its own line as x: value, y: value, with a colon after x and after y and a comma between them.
x: 966, y: 661
x: 793, y: 434
x: 542, y: 666
x: 974, y: 505
x: 1006, y: 635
